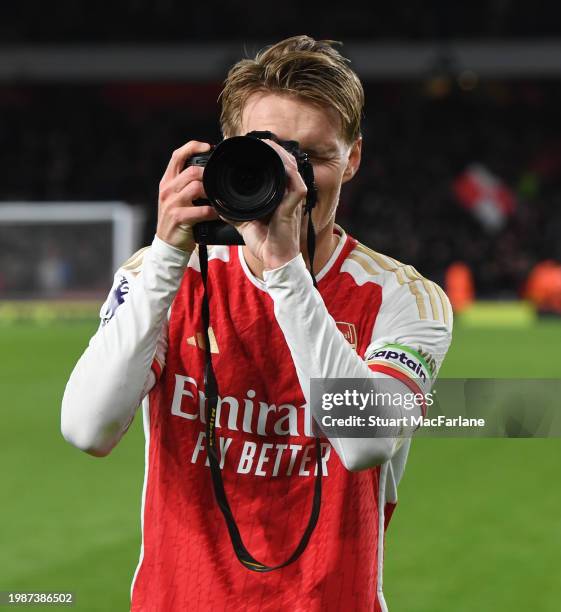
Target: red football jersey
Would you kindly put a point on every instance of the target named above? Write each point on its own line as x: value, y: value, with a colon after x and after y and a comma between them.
x: 267, y: 454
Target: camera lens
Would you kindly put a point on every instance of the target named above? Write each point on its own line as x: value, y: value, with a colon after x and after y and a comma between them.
x: 246, y: 181
x: 246, y: 186
x: 244, y: 178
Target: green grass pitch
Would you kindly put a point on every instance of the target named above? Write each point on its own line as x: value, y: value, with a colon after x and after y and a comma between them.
x: 478, y: 524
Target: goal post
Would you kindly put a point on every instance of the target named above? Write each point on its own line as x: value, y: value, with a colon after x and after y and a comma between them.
x: 125, y: 219
x: 63, y: 252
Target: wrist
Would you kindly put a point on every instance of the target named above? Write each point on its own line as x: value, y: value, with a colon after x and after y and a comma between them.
x: 180, y: 240
x: 295, y: 265
x: 169, y: 251
x: 276, y: 262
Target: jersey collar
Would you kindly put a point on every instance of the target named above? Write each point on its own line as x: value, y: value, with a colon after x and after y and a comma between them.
x: 260, y: 284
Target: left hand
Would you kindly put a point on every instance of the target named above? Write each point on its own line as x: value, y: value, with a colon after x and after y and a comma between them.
x: 276, y: 240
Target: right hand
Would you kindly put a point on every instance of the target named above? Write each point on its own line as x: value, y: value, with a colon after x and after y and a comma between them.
x: 178, y: 188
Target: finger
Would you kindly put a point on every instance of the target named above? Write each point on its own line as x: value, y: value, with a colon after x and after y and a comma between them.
x: 195, y: 214
x: 287, y: 158
x: 181, y: 155
x: 296, y: 189
x: 192, y: 191
x: 190, y: 174
x: 290, y: 164
x: 240, y: 225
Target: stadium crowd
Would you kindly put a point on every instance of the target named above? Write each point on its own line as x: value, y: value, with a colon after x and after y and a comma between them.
x: 30, y: 21
x: 112, y: 142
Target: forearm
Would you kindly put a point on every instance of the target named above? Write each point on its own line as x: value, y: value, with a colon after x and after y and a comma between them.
x: 319, y: 350
x: 110, y: 379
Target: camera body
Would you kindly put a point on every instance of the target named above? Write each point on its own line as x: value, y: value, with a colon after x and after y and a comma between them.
x: 245, y: 179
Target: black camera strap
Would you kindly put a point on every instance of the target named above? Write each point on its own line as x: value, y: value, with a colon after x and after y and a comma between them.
x: 211, y: 392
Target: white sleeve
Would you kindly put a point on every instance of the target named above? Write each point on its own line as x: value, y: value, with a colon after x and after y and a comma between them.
x: 116, y: 370
x: 413, y: 328
x: 319, y: 350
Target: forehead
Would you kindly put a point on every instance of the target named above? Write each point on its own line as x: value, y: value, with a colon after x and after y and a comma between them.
x: 291, y: 118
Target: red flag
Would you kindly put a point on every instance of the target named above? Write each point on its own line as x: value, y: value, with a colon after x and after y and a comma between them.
x: 486, y: 195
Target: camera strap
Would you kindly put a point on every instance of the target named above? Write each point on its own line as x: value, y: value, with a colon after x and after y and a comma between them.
x: 211, y: 392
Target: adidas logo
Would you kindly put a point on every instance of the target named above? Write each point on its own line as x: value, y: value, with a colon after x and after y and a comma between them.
x: 199, y: 341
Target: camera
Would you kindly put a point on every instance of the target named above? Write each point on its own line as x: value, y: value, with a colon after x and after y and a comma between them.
x: 244, y: 179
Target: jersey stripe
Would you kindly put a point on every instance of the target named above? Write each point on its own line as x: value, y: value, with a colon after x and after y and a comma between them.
x: 406, y: 274
x: 419, y: 298
x: 157, y: 368
x: 429, y: 288
x: 146, y: 424
x: 399, y: 270
x: 363, y: 263
x: 428, y: 285
x: 444, y: 302
x: 382, y: 477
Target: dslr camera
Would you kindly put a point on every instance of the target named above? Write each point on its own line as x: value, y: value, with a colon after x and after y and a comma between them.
x: 244, y: 179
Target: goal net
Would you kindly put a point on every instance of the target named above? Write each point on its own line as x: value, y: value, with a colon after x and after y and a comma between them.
x: 58, y: 254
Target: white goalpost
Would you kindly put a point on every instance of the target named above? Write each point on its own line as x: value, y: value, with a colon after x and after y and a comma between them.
x: 125, y: 220
x: 63, y: 252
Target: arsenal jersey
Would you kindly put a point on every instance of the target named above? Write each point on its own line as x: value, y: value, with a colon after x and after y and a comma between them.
x: 266, y: 449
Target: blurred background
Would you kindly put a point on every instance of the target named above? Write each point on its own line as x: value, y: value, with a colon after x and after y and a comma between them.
x: 461, y: 177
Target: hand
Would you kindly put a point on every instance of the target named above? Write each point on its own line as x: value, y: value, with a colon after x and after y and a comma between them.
x: 276, y: 240
x: 178, y: 188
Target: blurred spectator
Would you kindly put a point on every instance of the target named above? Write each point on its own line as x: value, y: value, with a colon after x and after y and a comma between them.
x: 112, y: 141
x: 53, y: 271
x: 167, y: 21
x: 459, y: 285
x: 543, y: 287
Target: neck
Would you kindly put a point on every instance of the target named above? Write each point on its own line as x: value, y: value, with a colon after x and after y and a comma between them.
x: 326, y: 243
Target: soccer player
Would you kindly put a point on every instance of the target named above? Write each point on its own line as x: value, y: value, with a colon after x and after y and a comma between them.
x: 270, y: 332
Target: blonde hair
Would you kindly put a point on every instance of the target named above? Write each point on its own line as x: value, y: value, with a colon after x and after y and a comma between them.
x: 312, y: 70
